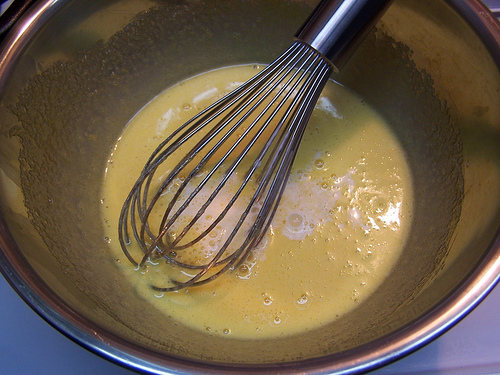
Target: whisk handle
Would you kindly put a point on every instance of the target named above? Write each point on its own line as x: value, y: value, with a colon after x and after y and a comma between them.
x: 336, y: 27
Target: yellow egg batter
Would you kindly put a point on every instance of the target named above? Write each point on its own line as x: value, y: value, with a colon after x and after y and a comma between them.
x: 339, y: 230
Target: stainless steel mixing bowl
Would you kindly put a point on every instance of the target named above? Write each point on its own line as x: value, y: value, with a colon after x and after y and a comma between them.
x: 72, y: 73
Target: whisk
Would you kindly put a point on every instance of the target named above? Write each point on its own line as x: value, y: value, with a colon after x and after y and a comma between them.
x: 222, y: 174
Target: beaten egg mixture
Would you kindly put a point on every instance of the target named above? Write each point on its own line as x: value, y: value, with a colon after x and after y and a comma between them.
x: 339, y: 230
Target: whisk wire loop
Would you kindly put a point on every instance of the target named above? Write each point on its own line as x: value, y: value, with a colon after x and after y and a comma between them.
x: 266, y: 117
x: 190, y: 128
x: 239, y: 158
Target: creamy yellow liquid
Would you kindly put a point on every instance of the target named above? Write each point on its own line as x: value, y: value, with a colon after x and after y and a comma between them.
x: 338, y: 232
